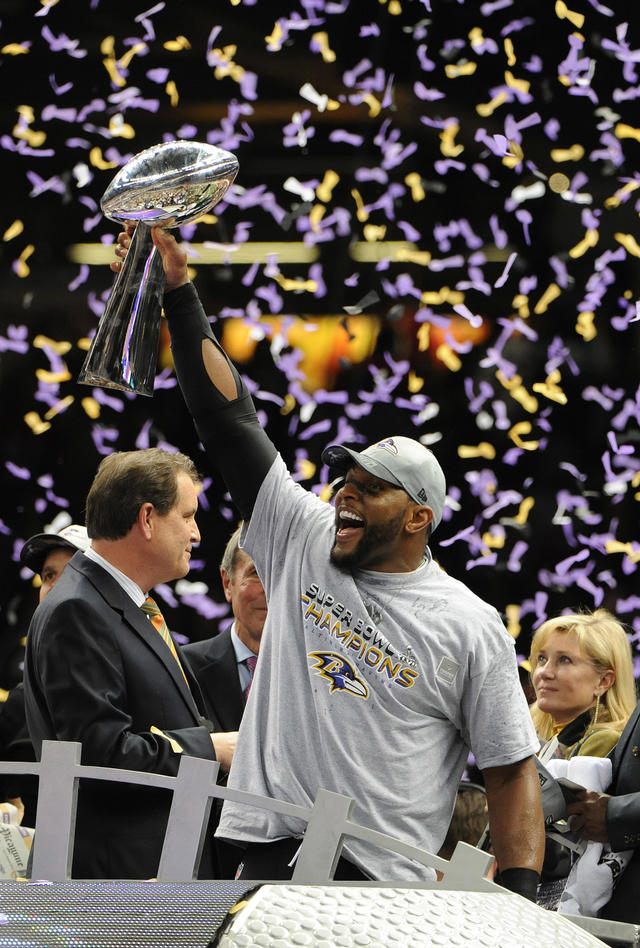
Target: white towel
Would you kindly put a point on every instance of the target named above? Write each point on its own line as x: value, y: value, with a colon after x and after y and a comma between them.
x: 590, y: 882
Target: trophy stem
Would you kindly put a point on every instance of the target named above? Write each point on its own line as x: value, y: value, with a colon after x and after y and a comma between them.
x: 124, y: 351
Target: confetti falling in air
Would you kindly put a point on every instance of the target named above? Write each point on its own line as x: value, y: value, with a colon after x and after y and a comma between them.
x: 434, y: 232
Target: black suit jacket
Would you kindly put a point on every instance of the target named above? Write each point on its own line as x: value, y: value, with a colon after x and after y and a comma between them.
x: 623, y: 821
x: 97, y: 671
x: 213, y: 662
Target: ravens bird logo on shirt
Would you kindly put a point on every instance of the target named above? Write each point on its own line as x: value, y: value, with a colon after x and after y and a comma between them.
x: 341, y: 673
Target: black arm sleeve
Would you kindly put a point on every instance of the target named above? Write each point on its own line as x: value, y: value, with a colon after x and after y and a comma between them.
x: 229, y: 430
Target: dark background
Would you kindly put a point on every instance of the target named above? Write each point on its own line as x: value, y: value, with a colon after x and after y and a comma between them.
x: 407, y: 79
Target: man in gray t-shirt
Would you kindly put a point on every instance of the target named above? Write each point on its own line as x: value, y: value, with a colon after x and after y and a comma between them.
x: 378, y: 672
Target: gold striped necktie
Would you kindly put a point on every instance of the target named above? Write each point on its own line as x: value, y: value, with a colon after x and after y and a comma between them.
x: 150, y: 609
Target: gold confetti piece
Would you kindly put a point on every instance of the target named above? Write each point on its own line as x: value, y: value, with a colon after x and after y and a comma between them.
x: 91, y: 407
x: 635, y: 480
x: 488, y: 108
x: 423, y: 335
x: 443, y: 295
x: 14, y: 49
x: 172, y: 91
x: 476, y: 36
x: 173, y: 743
x: 629, y: 243
x: 315, y: 216
x: 208, y: 219
x: 550, y: 389
x: 575, y: 153
x: 559, y: 183
x: 22, y: 131
x: 518, y: 392
x: 585, y: 326
x: 119, y: 128
x: 59, y: 406
x: 589, y: 240
x: 125, y: 59
x: 306, y: 468
x: 521, y: 84
x: 326, y: 52
x: 374, y: 232
x: 515, y: 157
x: 551, y: 293
x: 509, y: 51
x: 512, y: 613
x: 180, y: 42
x: 43, y: 375
x: 373, y: 103
x: 307, y: 286
x: 616, y: 199
x: 326, y: 493
x: 96, y: 159
x: 414, y: 382
x: 274, y: 42
x: 521, y: 303
x: 289, y: 404
x: 14, y: 230
x: 35, y: 422
x: 22, y: 268
x: 448, y: 146
x: 326, y: 186
x: 523, y: 428
x: 84, y: 344
x: 421, y: 257
x: 564, y: 13
x: 493, y: 541
x: 627, y: 131
x: 446, y: 354
x: 455, y: 70
x: 48, y: 3
x: 482, y: 450
x: 414, y: 181
x: 395, y: 7
x: 361, y: 213
x: 525, y: 508
x: 616, y: 546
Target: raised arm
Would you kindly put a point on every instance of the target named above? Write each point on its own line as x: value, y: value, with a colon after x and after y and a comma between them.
x: 221, y: 407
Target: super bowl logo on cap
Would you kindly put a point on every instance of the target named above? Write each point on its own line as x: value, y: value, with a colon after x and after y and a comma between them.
x: 389, y: 445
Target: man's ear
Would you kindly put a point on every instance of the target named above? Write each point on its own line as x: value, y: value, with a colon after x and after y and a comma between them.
x: 144, y: 520
x: 226, y: 584
x: 421, y: 517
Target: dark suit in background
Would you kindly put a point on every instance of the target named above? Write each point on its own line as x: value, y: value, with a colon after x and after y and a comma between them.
x: 623, y: 821
x: 213, y: 662
x: 96, y: 671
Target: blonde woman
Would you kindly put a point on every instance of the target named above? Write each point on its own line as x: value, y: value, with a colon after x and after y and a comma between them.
x: 582, y: 674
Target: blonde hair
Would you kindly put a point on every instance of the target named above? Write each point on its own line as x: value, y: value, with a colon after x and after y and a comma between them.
x: 604, y: 642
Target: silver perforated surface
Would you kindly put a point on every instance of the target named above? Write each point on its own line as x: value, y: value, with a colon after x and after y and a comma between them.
x: 287, y: 916
x: 113, y: 914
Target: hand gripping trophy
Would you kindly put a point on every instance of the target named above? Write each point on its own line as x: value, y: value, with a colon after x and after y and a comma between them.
x: 170, y: 184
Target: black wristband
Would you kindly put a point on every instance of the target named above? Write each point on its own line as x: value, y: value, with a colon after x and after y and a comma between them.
x: 522, y: 881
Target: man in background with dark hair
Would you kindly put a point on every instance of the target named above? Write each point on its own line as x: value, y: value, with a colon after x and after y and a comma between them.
x: 101, y: 667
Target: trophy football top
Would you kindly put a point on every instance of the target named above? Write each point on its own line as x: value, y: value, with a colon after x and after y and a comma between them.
x: 170, y: 184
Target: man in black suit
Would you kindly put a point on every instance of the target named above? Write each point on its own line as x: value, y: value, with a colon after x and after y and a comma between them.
x: 223, y: 663
x: 614, y: 818
x: 100, y: 670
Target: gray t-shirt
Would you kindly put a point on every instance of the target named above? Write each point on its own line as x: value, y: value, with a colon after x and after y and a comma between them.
x: 371, y: 684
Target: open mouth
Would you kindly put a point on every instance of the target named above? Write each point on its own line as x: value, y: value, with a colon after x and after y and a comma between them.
x: 348, y: 524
